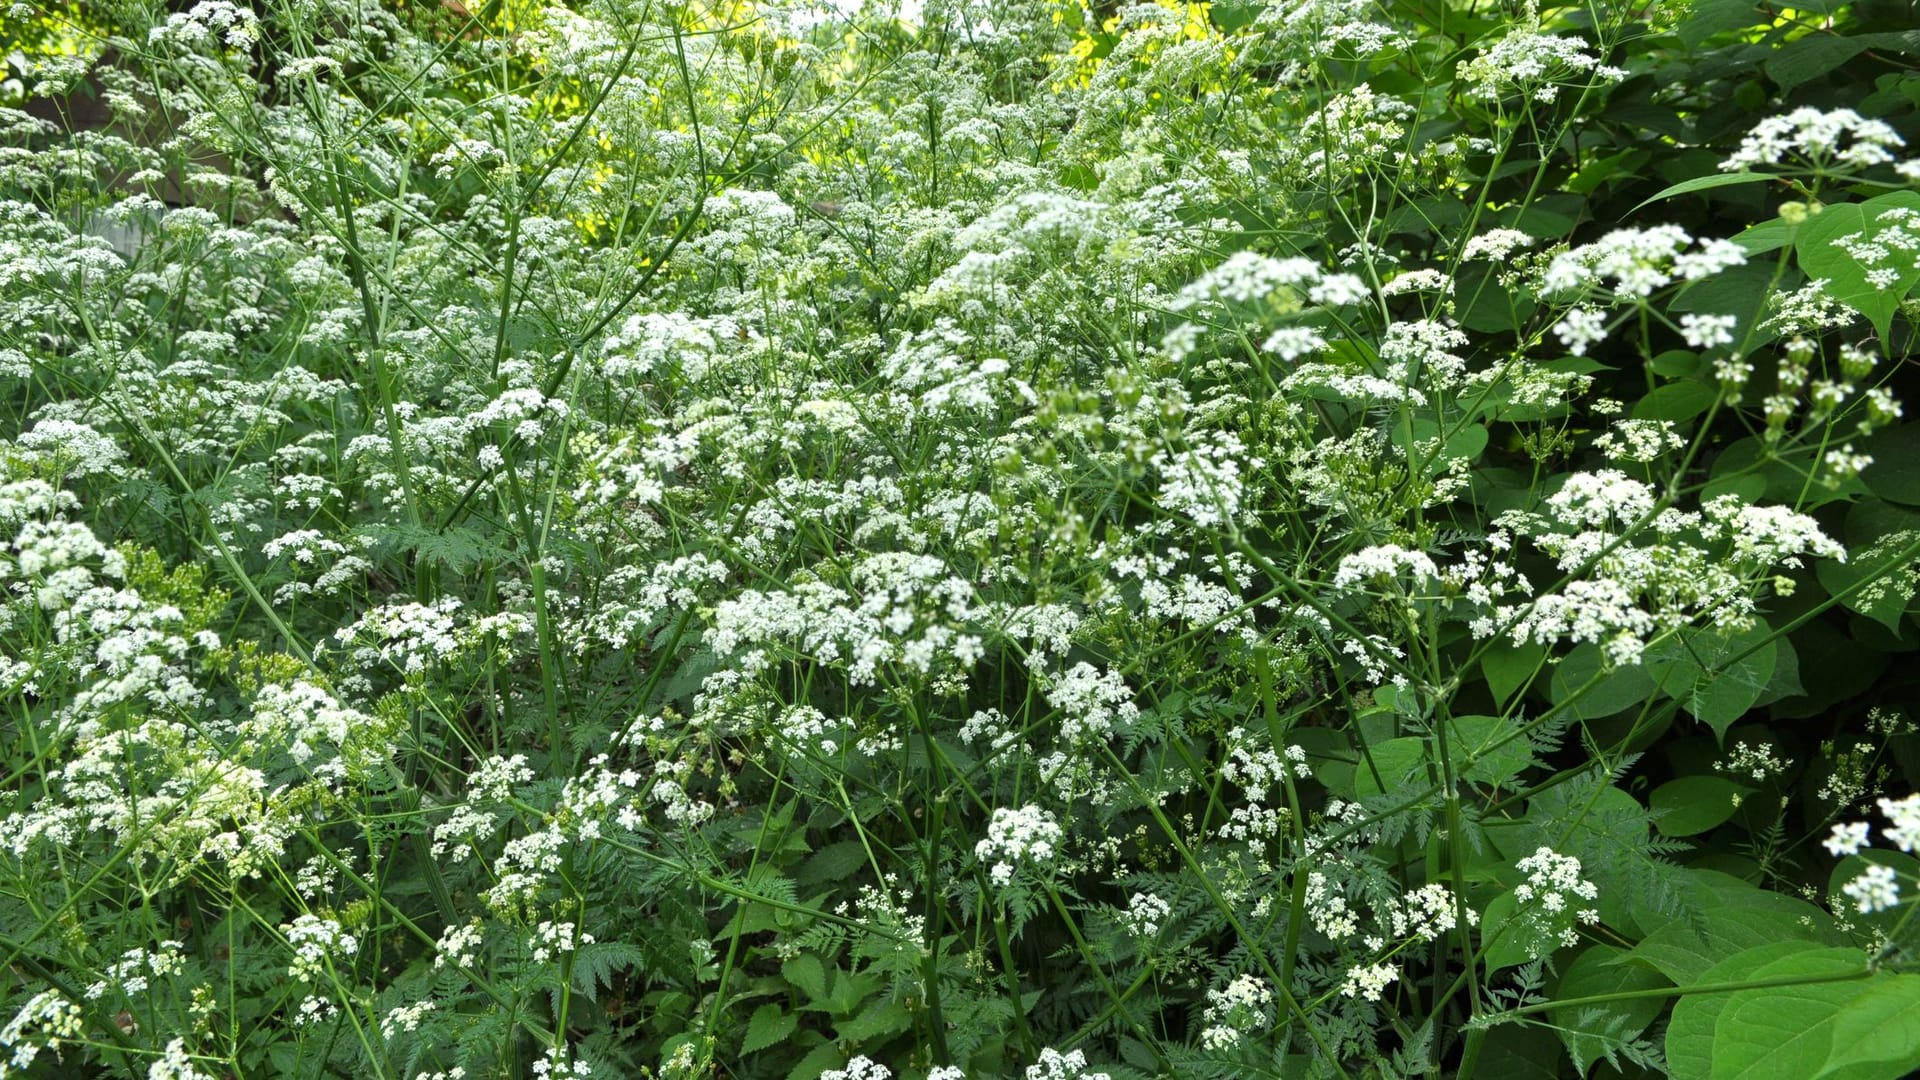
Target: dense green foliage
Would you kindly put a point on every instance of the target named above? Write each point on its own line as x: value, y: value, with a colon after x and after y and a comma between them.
x: 961, y: 539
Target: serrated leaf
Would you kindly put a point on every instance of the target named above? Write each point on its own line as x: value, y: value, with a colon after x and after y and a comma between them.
x: 818, y: 1060
x: 880, y: 1019
x: 833, y: 862
x: 770, y: 1024
x: 808, y: 975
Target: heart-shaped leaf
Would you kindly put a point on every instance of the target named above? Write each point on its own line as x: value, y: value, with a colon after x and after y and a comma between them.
x: 1868, y: 253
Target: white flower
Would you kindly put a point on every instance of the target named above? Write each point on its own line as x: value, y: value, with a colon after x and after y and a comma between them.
x: 1144, y: 915
x: 1707, y: 331
x: 1496, y: 244
x: 1368, y: 980
x: 1816, y: 137
x: 860, y: 1068
x: 1847, y: 839
x: 1583, y: 326
x: 1905, y: 818
x: 1876, y: 889
x: 1028, y: 834
x: 1053, y: 1065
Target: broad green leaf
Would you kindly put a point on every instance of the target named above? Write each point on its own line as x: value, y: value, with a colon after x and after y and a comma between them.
x: 1749, y: 487
x: 1818, y: 246
x: 1477, y: 736
x: 1677, y: 401
x: 818, y: 1060
x: 1417, y: 436
x: 1395, y: 760
x: 1233, y: 15
x: 1764, y: 237
x: 1507, y: 667
x: 1587, y: 1029
x: 808, y: 975
x: 1895, y: 472
x: 1622, y: 688
x: 1508, y: 941
x: 1703, y: 183
x: 1699, y: 669
x: 1739, y: 291
x: 1891, y: 921
x: 1833, y: 667
x: 1599, y: 170
x: 1789, y: 1030
x: 1694, y: 804
x: 1877, y: 1034
x: 1882, y: 583
x: 833, y: 863
x: 769, y: 1024
x: 1808, y: 58
x: 1690, y: 1031
x: 1709, y: 17
x: 1607, y: 830
x: 1729, y: 923
x: 878, y: 1019
x: 1519, y: 1052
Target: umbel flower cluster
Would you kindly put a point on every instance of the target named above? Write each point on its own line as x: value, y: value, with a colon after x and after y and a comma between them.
x: 866, y: 540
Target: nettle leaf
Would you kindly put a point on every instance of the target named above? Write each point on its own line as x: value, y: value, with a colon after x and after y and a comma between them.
x: 769, y: 1025
x: 1846, y: 245
x: 1589, y: 1030
x: 808, y: 975
x: 880, y: 1019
